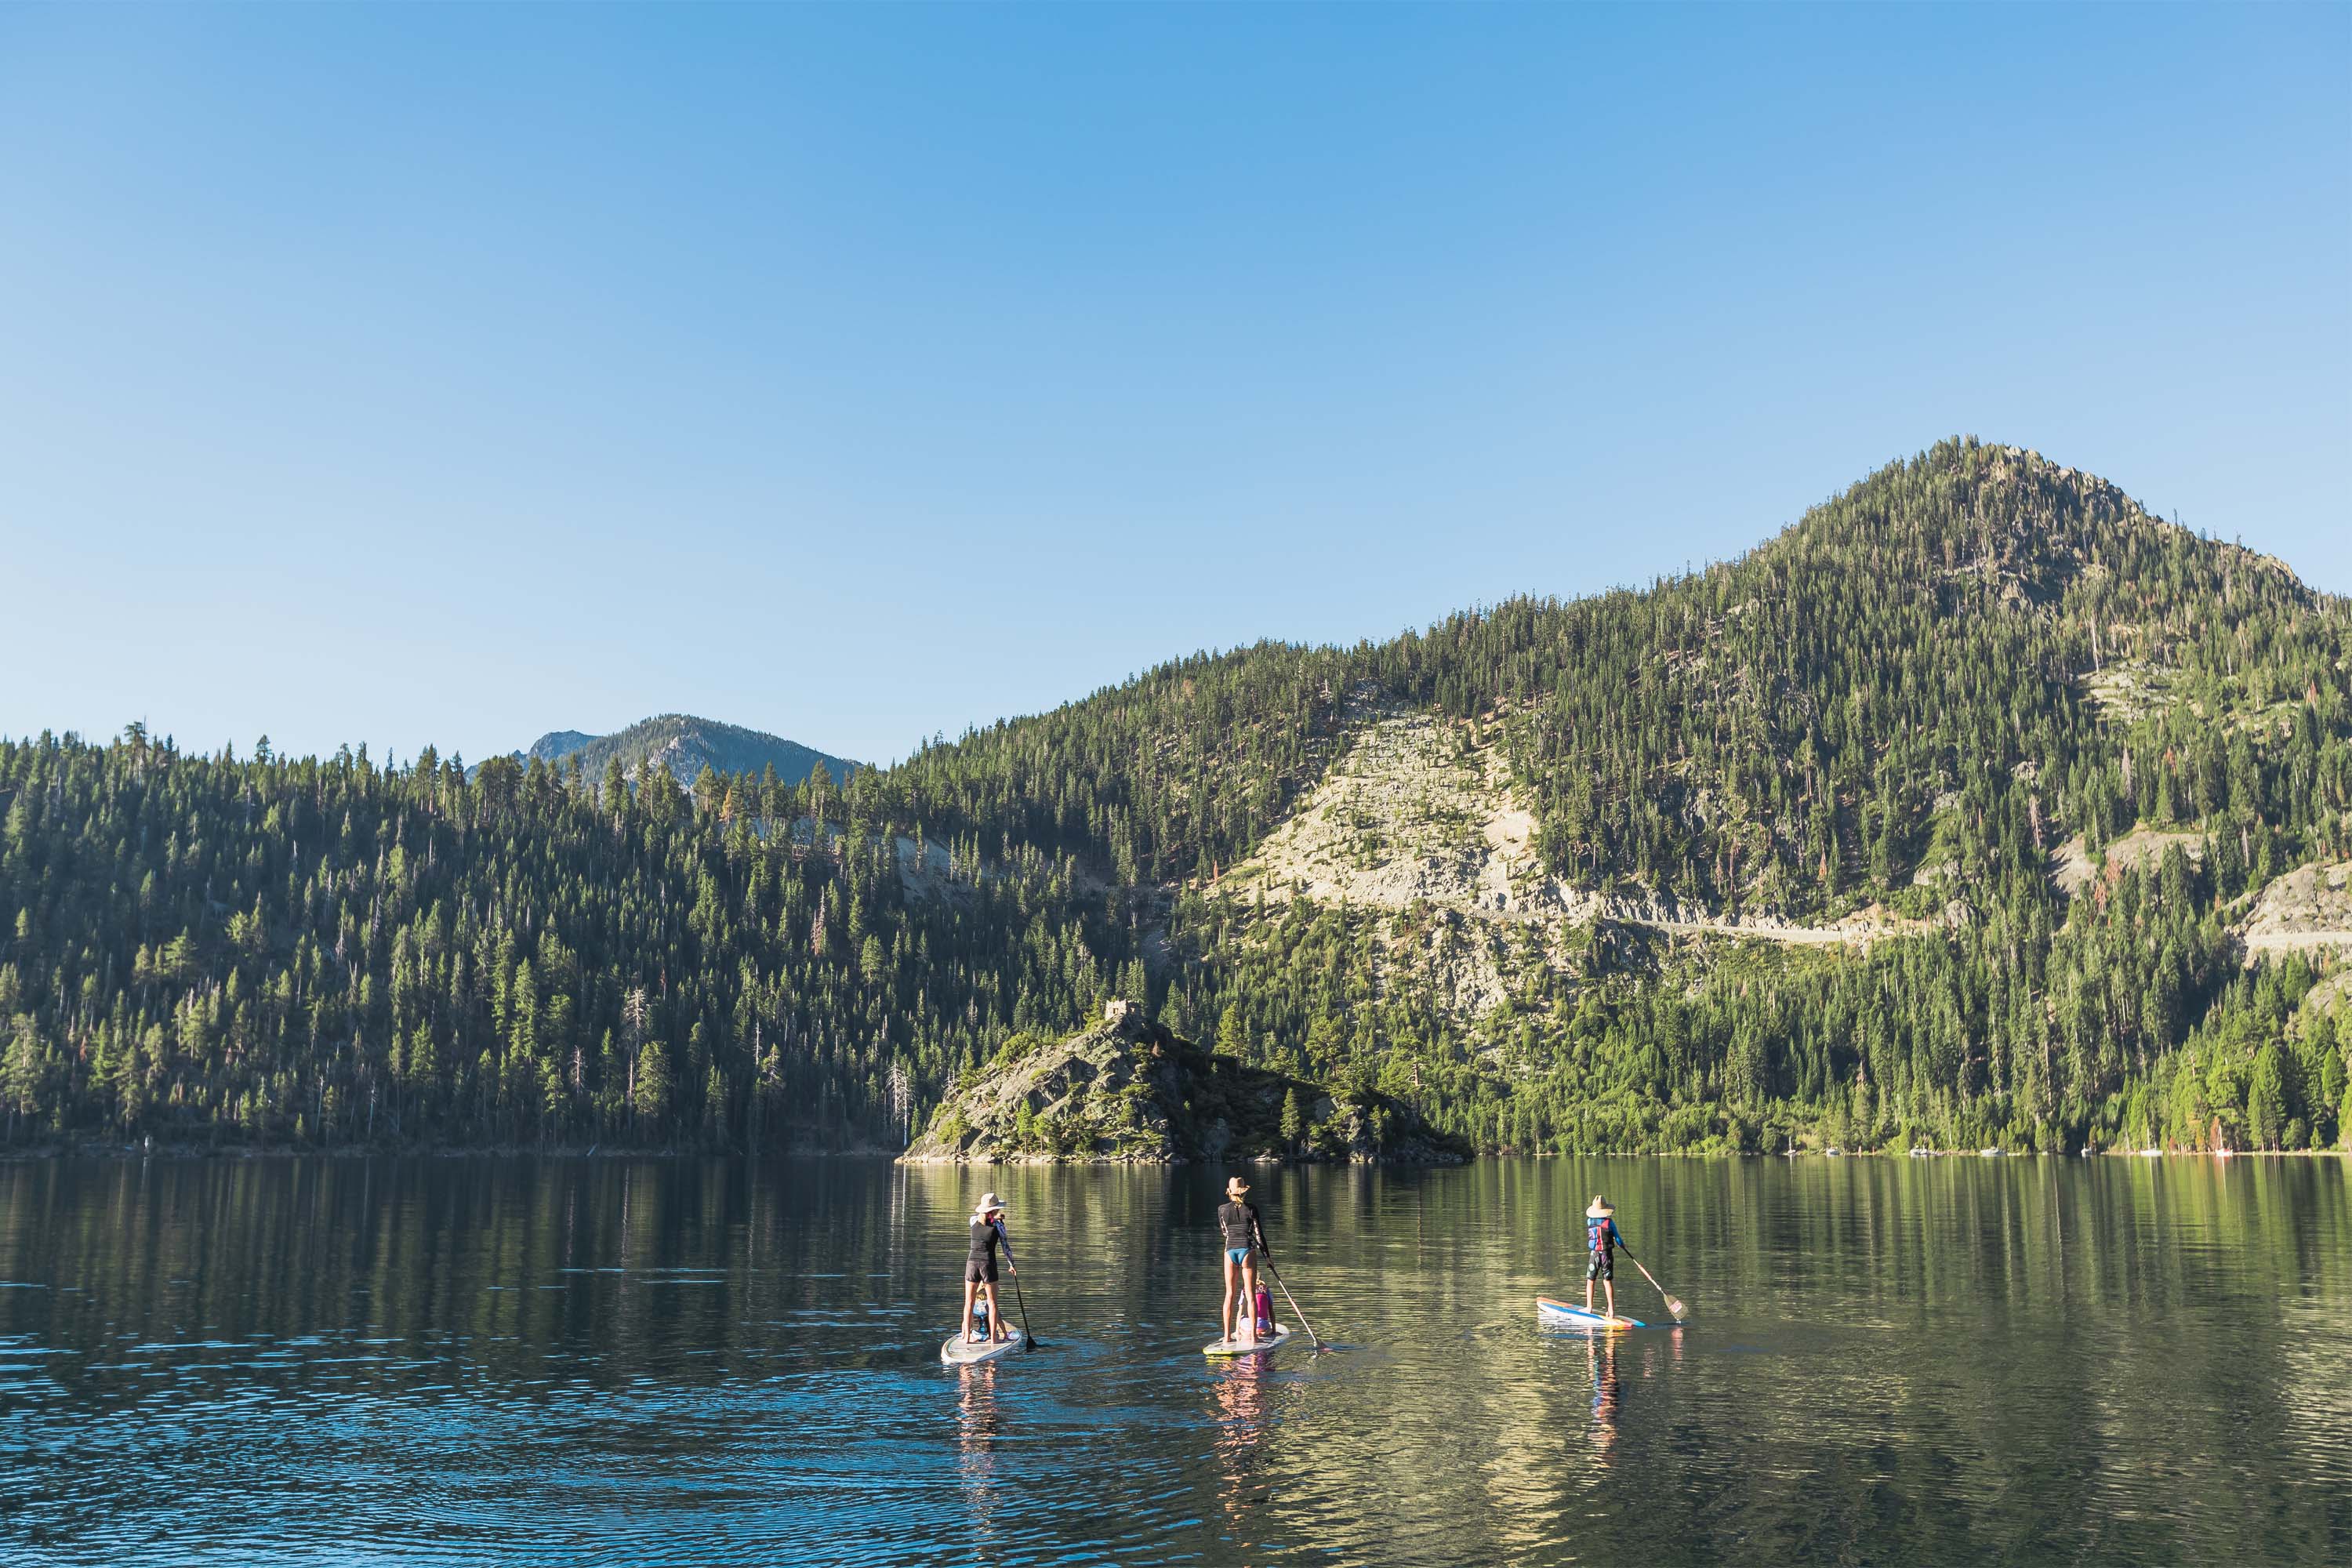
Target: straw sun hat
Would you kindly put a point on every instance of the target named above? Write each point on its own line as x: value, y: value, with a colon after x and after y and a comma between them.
x: 1599, y: 1209
x: 989, y: 1205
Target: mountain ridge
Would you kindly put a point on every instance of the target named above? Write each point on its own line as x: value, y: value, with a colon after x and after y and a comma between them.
x: 1936, y: 818
x: 685, y: 743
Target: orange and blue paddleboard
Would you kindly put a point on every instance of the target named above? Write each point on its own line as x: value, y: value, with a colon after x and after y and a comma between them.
x: 1573, y: 1315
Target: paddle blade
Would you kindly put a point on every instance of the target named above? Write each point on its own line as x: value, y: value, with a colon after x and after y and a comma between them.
x: 1674, y: 1305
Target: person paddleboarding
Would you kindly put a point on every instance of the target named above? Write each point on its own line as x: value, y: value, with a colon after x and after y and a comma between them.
x: 980, y: 1269
x: 1602, y: 1240
x: 1244, y: 1233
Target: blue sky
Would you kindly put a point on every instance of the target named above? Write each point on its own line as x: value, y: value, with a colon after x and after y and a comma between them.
x: 456, y: 374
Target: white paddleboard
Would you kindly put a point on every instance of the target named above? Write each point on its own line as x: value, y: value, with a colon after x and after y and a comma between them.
x: 1274, y: 1341
x: 960, y: 1351
x: 1568, y: 1312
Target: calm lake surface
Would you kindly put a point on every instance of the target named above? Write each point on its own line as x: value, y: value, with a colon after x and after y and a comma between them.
x: 508, y: 1361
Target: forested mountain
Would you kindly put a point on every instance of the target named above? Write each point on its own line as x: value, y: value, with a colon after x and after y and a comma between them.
x: 1933, y: 692
x: 686, y: 745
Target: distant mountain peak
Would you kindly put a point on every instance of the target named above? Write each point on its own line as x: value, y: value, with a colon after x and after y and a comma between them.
x: 556, y: 745
x: 685, y: 743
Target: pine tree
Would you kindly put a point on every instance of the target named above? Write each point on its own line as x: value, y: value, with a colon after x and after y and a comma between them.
x: 651, y: 1097
x: 2266, y: 1108
x: 614, y: 795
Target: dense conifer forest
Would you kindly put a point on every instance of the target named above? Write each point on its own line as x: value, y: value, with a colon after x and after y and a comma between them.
x: 1911, y: 697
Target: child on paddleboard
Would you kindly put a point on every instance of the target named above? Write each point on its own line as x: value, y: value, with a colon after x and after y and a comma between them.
x: 1601, y: 1239
x: 1244, y: 1233
x: 980, y: 1269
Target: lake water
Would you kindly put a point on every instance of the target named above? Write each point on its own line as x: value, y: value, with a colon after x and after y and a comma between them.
x: 508, y: 1360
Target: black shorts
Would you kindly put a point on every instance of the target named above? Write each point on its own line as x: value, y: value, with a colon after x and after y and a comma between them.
x: 979, y: 1272
x: 1602, y: 1265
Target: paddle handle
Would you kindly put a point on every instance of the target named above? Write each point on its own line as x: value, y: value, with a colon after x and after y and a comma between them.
x: 1030, y: 1340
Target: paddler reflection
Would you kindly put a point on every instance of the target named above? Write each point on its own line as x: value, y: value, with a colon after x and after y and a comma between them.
x: 1243, y: 1391
x: 978, y: 1426
x: 1602, y: 1351
x: 1608, y: 1392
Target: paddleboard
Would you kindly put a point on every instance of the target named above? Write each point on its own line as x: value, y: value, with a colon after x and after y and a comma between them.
x: 1281, y: 1337
x: 1574, y: 1315
x: 959, y: 1351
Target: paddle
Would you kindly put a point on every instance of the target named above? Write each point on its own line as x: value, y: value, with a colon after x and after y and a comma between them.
x: 1319, y: 1346
x: 1674, y: 1303
x: 1028, y: 1339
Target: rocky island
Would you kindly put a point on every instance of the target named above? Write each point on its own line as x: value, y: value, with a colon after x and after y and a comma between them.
x: 1131, y: 1090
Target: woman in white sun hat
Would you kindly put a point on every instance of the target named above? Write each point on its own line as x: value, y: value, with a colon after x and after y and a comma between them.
x: 1245, y: 1236
x: 979, y: 1267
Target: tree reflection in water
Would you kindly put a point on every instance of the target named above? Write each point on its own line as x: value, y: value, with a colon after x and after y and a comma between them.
x: 1900, y: 1362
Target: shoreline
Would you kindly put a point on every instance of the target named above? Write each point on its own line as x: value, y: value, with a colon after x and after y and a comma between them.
x: 128, y: 1151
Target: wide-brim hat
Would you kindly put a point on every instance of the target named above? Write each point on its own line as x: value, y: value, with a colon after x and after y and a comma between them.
x: 989, y: 1203
x: 1235, y: 1185
x: 1599, y: 1209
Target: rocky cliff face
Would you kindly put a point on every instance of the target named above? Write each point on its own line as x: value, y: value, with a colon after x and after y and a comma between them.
x: 2309, y: 909
x: 1128, y: 1090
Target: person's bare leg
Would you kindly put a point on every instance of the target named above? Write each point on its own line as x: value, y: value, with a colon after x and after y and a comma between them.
x: 970, y: 1291
x: 1249, y: 1296
x: 1588, y: 1293
x: 1232, y: 1278
x: 996, y: 1329
x: 1610, y: 1286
